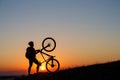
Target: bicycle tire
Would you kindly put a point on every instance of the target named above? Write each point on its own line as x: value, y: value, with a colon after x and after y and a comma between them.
x: 51, y: 68
x: 47, y: 39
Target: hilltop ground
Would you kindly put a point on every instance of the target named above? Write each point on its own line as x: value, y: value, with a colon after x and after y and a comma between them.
x: 106, y: 71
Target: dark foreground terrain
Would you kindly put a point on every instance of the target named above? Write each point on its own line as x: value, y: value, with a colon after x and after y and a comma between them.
x: 106, y: 71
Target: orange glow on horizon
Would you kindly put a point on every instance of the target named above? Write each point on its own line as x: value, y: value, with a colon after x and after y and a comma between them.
x: 42, y: 68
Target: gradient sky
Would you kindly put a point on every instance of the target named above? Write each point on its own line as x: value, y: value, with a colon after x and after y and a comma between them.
x: 86, y: 31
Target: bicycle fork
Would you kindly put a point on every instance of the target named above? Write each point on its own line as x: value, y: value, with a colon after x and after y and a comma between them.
x: 52, y: 62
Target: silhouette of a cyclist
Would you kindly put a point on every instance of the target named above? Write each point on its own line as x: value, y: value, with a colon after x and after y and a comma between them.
x: 31, y: 56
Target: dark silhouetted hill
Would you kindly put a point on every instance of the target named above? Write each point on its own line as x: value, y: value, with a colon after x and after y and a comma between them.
x: 105, y: 71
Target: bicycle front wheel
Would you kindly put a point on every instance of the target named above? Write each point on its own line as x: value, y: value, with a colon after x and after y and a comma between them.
x: 51, y: 42
x: 52, y: 65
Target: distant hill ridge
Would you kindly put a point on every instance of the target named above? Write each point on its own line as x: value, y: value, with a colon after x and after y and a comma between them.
x: 104, y: 71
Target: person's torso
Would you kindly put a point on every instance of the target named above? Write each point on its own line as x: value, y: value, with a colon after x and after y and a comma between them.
x: 30, y: 52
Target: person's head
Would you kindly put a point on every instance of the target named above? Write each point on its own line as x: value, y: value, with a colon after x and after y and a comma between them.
x: 31, y: 43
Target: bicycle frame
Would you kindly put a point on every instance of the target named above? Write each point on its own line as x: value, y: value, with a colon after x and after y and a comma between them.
x: 51, y: 64
x: 45, y: 60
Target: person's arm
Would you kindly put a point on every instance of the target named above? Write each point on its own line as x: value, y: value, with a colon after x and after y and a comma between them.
x: 37, y: 51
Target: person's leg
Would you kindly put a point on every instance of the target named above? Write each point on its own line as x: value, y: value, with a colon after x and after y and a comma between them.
x: 30, y: 65
x: 37, y: 70
x: 38, y: 65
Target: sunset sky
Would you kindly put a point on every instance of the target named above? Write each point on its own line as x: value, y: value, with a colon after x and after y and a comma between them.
x: 86, y: 31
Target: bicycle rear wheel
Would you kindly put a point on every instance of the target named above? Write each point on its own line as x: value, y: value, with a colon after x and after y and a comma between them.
x: 49, y: 41
x: 52, y: 65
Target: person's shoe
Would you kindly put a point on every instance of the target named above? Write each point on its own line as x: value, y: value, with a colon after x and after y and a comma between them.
x: 29, y: 74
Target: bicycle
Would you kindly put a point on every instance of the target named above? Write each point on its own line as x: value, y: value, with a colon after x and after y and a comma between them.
x: 52, y: 64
